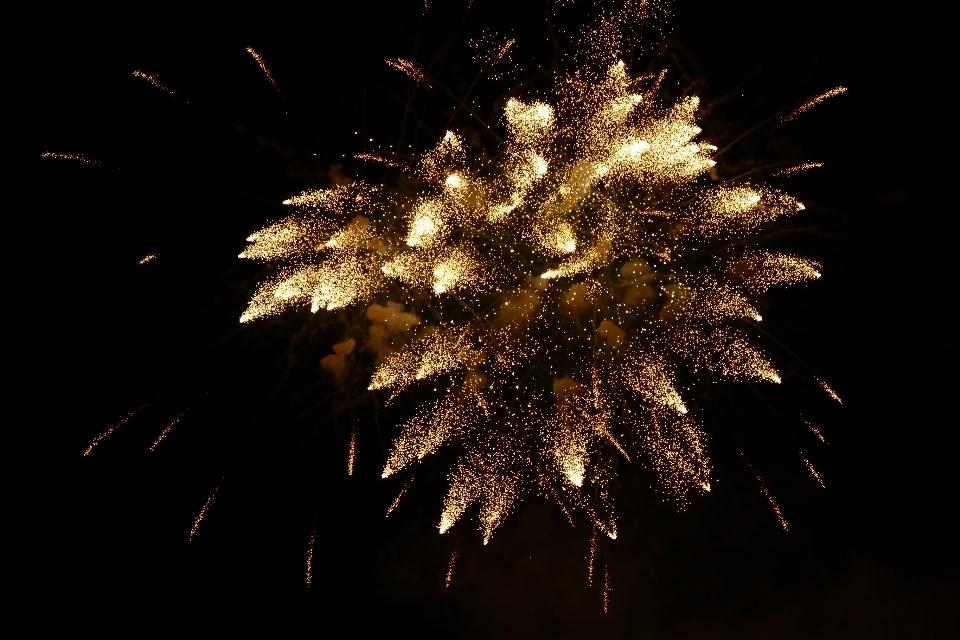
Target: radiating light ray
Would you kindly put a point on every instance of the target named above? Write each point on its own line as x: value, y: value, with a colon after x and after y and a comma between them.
x: 71, y: 156
x: 352, y: 450
x: 373, y: 157
x: 154, y: 81
x: 149, y: 258
x: 812, y: 470
x: 767, y: 494
x: 830, y: 392
x: 812, y: 102
x: 592, y: 556
x: 410, y: 70
x: 396, y: 501
x: 205, y: 508
x: 606, y: 587
x: 166, y: 431
x: 815, y: 431
x: 450, y: 566
x: 103, y: 436
x: 797, y: 168
x: 311, y: 544
x: 263, y: 66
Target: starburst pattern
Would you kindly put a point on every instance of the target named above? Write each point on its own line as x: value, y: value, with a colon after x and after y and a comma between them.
x: 559, y: 300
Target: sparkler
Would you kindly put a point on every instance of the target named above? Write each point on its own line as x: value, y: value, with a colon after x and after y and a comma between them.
x: 559, y: 299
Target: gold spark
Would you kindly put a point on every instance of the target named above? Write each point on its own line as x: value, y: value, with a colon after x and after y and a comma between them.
x: 606, y: 588
x: 166, y: 430
x: 264, y: 68
x: 411, y: 70
x: 71, y: 156
x: 813, y: 472
x: 767, y: 494
x: 812, y: 102
x: 205, y: 508
x: 396, y: 501
x: 828, y: 389
x: 797, y: 168
x: 154, y: 81
x: 815, y: 431
x: 453, y: 562
x: 310, y: 547
x: 103, y: 436
x: 352, y: 451
x: 593, y: 554
x: 149, y: 257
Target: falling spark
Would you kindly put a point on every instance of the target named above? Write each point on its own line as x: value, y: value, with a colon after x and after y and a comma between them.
x: 154, y: 81
x: 813, y: 472
x: 804, y: 166
x: 396, y: 501
x: 103, y: 436
x: 206, y: 507
x: 373, y: 157
x: 411, y: 70
x: 816, y: 432
x: 829, y: 390
x: 147, y: 258
x: 812, y: 102
x: 593, y: 555
x: 606, y: 588
x: 71, y: 156
x: 264, y: 68
x: 766, y: 492
x: 453, y: 562
x: 166, y: 430
x: 352, y: 451
x: 310, y: 546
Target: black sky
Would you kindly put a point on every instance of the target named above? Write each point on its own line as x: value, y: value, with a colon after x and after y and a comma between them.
x: 102, y: 541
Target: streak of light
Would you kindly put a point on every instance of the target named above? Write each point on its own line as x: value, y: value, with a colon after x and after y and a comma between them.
x: 166, y: 430
x: 205, y: 508
x: 812, y: 102
x: 453, y: 562
x: 766, y: 492
x: 310, y: 547
x: 815, y: 431
x: 71, y: 156
x: 411, y: 70
x: 797, y: 168
x: 154, y: 81
x: 352, y: 451
x: 264, y: 68
x: 812, y: 470
x: 103, y: 436
x: 829, y: 390
x: 606, y: 588
x: 396, y: 501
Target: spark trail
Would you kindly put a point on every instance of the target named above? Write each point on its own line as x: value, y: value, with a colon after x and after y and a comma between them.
x: 205, y: 508
x: 155, y: 82
x: 263, y: 67
x: 103, y: 436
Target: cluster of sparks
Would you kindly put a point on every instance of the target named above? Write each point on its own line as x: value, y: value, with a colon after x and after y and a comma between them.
x: 155, y: 81
x: 76, y: 157
x: 551, y: 297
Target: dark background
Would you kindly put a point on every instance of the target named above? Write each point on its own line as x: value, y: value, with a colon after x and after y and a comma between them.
x: 102, y: 541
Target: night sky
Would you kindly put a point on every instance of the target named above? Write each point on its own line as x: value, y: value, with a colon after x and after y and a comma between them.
x: 102, y: 541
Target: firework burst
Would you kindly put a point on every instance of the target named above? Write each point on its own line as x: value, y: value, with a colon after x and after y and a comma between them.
x: 559, y: 299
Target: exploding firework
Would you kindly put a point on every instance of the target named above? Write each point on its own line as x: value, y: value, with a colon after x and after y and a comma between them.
x: 560, y: 300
